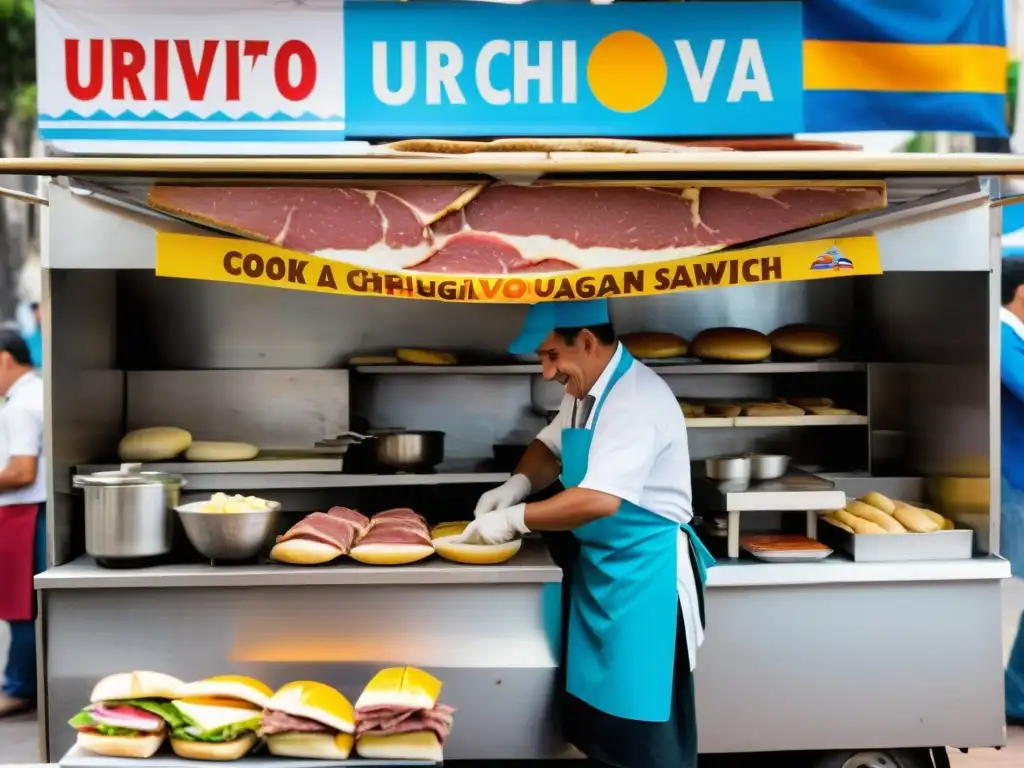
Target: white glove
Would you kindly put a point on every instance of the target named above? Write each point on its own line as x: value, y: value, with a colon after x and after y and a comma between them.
x: 496, y: 527
x: 508, y: 494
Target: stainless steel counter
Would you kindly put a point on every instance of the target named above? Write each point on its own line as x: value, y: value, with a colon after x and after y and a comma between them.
x: 533, y: 565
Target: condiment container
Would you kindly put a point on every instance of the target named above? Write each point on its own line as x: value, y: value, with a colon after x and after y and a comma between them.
x: 128, y: 513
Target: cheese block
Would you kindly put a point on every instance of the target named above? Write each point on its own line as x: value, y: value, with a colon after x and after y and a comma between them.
x: 153, y: 444
x: 807, y: 341
x: 389, y: 554
x: 654, y: 345
x: 471, y: 554
x: 202, y: 450
x: 731, y: 345
x: 425, y: 357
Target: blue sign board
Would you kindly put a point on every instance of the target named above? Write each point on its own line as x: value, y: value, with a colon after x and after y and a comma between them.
x: 568, y: 69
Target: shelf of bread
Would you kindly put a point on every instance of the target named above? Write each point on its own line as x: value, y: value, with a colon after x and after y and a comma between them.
x: 794, y: 412
x: 398, y: 719
x: 665, y: 366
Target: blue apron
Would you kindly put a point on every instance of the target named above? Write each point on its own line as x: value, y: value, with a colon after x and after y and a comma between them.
x: 624, y: 612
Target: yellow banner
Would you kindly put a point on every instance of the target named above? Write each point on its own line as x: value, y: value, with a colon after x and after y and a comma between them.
x: 232, y: 260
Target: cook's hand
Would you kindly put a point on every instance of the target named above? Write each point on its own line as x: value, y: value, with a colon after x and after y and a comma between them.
x: 510, y: 493
x: 496, y: 527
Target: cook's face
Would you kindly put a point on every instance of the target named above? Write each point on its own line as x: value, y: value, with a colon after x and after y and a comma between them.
x: 566, y: 363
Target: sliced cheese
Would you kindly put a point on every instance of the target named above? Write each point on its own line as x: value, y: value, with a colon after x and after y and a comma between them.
x: 211, y: 718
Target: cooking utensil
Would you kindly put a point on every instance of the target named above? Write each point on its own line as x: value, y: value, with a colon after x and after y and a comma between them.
x: 404, y: 450
x: 728, y: 468
x: 128, y: 513
x: 231, y: 535
x: 767, y: 466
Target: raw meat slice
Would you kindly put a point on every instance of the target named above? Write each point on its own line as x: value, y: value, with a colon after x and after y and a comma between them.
x: 395, y: 534
x: 125, y: 716
x: 357, y: 518
x: 329, y: 529
x: 500, y: 228
x: 400, y: 513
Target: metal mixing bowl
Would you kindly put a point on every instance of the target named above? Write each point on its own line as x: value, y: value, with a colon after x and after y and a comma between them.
x: 230, y: 535
x: 767, y: 466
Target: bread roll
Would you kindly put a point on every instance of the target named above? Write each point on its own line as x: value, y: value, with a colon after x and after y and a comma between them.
x: 120, y: 746
x: 876, y: 516
x: 827, y: 410
x: 727, y: 410
x: 915, y: 519
x: 810, y: 402
x: 731, y: 345
x: 304, y: 552
x: 314, y: 746
x: 772, y: 409
x: 211, y: 750
x: 654, y: 345
x: 373, y: 360
x: 878, y: 501
x: 858, y: 524
x: 831, y: 519
x: 418, y: 745
x: 202, y: 450
x: 935, y: 516
x: 136, y: 685
x: 474, y: 554
x: 153, y: 444
x: 425, y: 357
x: 690, y: 410
x: 389, y: 554
x: 801, y: 340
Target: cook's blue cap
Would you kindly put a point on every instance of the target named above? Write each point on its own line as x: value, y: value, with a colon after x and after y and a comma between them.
x: 542, y: 319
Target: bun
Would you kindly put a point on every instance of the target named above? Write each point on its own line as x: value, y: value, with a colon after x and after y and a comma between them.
x: 120, y: 746
x: 315, y: 701
x: 373, y: 360
x: 208, y: 750
x: 390, y: 554
x: 474, y: 554
x: 316, y: 746
x: 654, y: 345
x: 153, y: 444
x: 213, y: 451
x: 304, y: 552
x: 731, y: 345
x: 799, y: 340
x: 136, y: 685
x: 401, y: 687
x: 228, y: 687
x: 418, y: 745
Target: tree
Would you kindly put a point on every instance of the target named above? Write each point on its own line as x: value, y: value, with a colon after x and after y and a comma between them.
x: 17, y: 112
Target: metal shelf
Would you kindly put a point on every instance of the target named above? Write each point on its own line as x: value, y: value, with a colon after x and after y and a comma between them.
x: 682, y: 366
x: 282, y: 481
x: 720, y: 422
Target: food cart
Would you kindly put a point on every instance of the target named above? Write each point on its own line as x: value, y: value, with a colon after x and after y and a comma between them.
x: 837, y: 658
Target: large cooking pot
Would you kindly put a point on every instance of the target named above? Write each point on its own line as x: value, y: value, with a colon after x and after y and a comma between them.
x: 391, y: 450
x: 128, y: 513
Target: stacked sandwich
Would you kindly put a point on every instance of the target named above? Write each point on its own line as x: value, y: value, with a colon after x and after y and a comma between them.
x: 398, y: 716
x: 321, y: 537
x: 129, y: 715
x: 219, y: 717
x: 310, y: 720
x: 395, y: 537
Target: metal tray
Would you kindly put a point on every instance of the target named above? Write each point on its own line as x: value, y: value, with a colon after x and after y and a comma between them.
x: 269, y: 461
x: 77, y: 757
x: 957, y: 544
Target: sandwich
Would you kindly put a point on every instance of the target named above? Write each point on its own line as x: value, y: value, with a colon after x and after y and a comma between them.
x: 398, y: 717
x: 311, y: 720
x: 220, y: 717
x: 129, y: 714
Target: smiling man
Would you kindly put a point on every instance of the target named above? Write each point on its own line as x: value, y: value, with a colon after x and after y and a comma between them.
x: 636, y: 615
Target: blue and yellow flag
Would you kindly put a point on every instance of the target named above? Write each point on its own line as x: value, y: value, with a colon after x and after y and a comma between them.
x: 914, y: 65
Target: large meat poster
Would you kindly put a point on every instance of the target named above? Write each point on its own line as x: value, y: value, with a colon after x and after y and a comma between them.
x: 502, y: 242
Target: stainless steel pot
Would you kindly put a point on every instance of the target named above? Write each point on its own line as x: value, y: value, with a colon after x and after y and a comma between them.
x: 128, y: 513
x: 406, y: 450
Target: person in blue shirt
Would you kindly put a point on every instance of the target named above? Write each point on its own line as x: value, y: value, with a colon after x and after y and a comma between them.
x: 34, y: 340
x: 1011, y: 540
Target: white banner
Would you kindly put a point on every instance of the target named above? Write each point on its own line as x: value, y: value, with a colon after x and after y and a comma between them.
x: 111, y: 79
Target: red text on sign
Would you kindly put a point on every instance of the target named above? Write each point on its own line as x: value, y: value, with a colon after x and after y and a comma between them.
x: 136, y: 73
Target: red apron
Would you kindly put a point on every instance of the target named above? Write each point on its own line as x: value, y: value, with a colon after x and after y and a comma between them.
x: 17, y: 560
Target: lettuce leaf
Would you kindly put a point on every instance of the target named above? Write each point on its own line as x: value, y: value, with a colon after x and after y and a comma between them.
x: 82, y: 720
x: 163, y: 709
x: 227, y: 733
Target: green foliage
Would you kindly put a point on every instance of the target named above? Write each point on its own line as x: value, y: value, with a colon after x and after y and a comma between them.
x: 17, y: 57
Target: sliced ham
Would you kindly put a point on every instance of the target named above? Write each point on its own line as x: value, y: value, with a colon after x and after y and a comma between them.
x: 396, y: 534
x: 403, y: 513
x: 126, y: 716
x: 275, y: 721
x: 357, y: 518
x: 387, y: 721
x: 329, y: 529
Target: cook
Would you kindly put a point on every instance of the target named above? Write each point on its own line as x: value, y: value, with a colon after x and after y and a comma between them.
x: 22, y: 516
x: 636, y: 609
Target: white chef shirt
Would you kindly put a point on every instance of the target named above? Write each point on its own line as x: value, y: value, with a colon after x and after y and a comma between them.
x: 640, y: 454
x: 21, y: 434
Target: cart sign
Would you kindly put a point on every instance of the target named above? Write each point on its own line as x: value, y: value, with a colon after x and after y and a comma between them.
x: 680, y: 69
x: 131, y: 74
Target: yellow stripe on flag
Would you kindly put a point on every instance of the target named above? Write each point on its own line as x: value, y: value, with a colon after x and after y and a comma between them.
x: 850, y: 66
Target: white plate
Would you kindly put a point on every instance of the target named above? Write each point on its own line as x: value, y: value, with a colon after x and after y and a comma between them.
x: 793, y: 556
